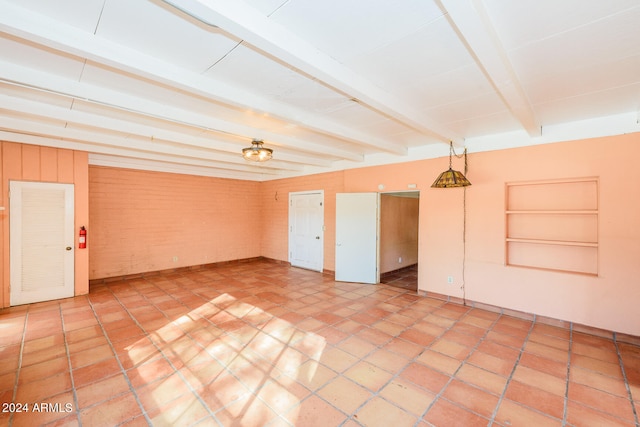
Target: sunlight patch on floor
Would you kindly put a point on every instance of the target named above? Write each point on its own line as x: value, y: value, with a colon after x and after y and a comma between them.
x: 227, y: 349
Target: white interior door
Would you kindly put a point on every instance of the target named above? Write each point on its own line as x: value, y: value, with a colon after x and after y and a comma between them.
x: 306, y: 230
x: 41, y: 241
x: 357, y: 237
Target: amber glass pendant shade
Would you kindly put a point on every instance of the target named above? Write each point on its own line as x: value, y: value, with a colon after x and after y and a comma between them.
x: 451, y: 178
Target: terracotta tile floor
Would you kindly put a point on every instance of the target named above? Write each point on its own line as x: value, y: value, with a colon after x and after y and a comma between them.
x: 262, y: 344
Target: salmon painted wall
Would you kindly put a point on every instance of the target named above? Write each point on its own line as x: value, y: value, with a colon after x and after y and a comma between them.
x: 44, y: 164
x: 149, y: 221
x: 608, y: 300
x: 398, y: 232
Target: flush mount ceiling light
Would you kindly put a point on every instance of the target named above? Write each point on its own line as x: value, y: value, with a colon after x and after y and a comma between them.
x: 451, y: 178
x: 257, y: 153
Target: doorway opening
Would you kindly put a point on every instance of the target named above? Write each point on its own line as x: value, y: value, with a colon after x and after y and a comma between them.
x: 370, y: 243
x: 399, y: 218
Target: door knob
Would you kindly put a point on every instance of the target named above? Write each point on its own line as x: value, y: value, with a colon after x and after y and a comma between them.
x: 68, y: 248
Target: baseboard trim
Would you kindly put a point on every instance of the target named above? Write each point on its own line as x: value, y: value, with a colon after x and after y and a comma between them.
x: 178, y: 270
x: 549, y: 321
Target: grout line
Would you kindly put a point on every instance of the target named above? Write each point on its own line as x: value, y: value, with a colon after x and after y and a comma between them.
x: 515, y: 366
x: 19, y: 369
x: 626, y: 380
x: 565, y: 408
x: 360, y: 359
x: 254, y: 391
x: 350, y: 417
x: 289, y: 343
x: 162, y: 353
x: 73, y: 384
x: 412, y: 360
x: 462, y: 363
x: 115, y: 354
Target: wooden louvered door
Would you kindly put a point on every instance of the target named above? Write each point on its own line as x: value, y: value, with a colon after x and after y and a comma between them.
x: 41, y: 241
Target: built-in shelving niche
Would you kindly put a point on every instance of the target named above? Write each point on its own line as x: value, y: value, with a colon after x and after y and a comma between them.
x: 553, y: 225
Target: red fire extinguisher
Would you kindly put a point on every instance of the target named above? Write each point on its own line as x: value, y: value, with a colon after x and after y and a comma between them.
x: 82, y: 238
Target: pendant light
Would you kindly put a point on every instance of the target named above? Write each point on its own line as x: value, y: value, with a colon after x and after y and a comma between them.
x: 257, y: 153
x: 451, y: 178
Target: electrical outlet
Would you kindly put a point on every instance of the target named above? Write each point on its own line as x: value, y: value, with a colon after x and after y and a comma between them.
x: 175, y: 259
x: 450, y: 280
x: 399, y: 260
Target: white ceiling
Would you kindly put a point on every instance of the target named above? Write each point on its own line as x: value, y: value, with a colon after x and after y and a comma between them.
x: 184, y: 85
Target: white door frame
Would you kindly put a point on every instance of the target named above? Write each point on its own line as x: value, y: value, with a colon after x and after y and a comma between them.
x: 398, y: 193
x: 41, y: 246
x: 317, y: 263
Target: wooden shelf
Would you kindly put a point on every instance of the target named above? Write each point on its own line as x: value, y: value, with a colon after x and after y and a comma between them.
x: 552, y: 225
x: 552, y: 212
x: 554, y: 181
x: 553, y: 242
x: 558, y: 270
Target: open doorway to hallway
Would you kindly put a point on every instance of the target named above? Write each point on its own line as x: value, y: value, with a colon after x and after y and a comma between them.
x: 399, y: 213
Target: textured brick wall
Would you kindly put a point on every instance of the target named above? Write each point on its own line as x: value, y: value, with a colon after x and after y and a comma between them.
x: 147, y: 221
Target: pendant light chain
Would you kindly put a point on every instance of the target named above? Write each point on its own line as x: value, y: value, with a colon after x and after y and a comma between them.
x: 453, y: 151
x: 466, y: 167
x: 464, y: 230
x: 464, y: 235
x: 459, y: 156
